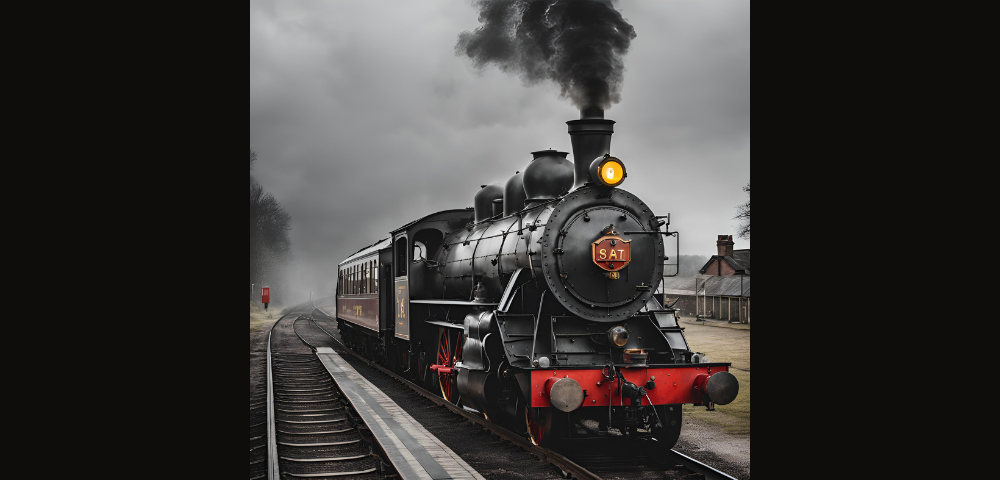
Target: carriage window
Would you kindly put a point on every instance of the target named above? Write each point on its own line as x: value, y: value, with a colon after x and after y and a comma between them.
x: 419, y: 251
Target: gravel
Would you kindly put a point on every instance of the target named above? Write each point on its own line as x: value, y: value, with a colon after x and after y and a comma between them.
x: 712, y: 446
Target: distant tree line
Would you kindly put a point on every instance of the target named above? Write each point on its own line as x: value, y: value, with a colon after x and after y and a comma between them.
x: 689, y: 265
x: 270, y: 248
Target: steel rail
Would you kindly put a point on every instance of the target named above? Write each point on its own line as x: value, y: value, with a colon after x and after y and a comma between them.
x: 273, y: 471
x: 312, y: 411
x: 272, y: 436
x: 332, y: 459
x: 341, y: 474
x: 697, y: 467
x: 328, y: 444
x: 566, y: 465
x: 328, y: 432
x: 312, y: 422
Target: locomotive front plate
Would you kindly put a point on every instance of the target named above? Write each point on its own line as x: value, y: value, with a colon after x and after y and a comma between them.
x: 581, y: 224
x: 612, y: 253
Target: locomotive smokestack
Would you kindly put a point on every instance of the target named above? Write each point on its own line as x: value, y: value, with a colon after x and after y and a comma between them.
x: 591, y: 138
x: 592, y: 113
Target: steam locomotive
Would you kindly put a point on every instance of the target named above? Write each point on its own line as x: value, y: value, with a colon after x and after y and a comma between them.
x: 536, y: 307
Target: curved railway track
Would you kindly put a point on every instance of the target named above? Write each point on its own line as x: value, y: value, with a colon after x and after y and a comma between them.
x: 308, y: 430
x: 617, y: 460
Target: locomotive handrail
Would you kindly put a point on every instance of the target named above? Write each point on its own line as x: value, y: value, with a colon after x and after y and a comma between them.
x: 455, y: 302
x: 538, y: 319
x: 665, y: 234
x: 445, y: 324
x: 511, y: 291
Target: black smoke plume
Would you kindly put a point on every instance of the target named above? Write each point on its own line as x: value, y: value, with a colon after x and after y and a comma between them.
x: 579, y: 44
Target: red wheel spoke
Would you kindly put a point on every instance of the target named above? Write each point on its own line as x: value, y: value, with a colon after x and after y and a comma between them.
x: 444, y: 354
x: 536, y: 426
x: 444, y: 348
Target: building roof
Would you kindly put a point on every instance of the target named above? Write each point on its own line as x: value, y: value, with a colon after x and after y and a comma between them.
x: 712, y: 286
x: 740, y: 261
x: 743, y: 258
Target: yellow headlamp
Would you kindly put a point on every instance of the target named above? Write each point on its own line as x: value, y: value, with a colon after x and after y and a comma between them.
x: 607, y: 171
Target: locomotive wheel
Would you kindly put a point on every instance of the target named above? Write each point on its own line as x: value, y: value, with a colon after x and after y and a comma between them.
x: 670, y: 415
x: 404, y: 367
x: 448, y: 355
x: 538, y: 421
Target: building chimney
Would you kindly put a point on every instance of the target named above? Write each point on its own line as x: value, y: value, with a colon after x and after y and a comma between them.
x: 591, y: 138
x: 726, y: 245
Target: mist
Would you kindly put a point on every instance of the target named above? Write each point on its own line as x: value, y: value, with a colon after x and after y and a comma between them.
x: 365, y: 119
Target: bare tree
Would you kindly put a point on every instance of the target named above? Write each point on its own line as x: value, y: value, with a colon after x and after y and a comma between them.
x: 743, y: 215
x: 270, y: 247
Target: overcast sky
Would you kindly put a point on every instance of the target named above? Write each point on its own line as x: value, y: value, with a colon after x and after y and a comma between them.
x: 364, y: 119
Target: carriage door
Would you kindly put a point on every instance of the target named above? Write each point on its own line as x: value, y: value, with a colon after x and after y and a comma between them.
x: 386, y: 295
x: 402, y: 294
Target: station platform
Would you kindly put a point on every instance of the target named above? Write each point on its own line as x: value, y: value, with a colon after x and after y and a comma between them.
x: 415, y: 452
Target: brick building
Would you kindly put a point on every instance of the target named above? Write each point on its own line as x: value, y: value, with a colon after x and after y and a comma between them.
x: 722, y: 291
x: 728, y: 262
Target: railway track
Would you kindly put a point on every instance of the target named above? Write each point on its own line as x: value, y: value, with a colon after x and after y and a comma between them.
x: 621, y: 460
x: 258, y: 433
x: 309, y: 430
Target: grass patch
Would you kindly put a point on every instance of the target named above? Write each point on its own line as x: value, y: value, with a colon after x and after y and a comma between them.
x: 258, y: 318
x: 255, y: 324
x: 729, y: 344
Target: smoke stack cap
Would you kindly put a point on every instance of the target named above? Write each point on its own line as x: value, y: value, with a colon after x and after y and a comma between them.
x: 607, y: 171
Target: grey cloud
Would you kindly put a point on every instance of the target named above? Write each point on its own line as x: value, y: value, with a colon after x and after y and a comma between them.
x: 365, y: 120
